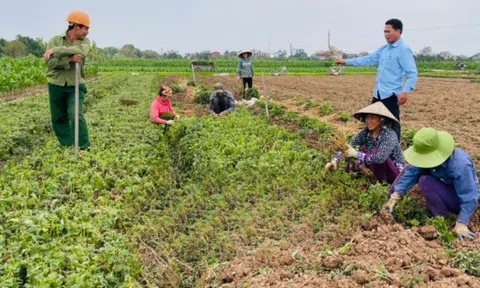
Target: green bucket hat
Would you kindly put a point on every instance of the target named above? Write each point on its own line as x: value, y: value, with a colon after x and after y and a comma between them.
x: 430, y: 148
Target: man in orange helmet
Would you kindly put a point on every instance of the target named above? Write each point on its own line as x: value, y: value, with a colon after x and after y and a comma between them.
x: 63, y: 51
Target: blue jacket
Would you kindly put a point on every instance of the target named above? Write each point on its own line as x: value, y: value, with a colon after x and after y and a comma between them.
x: 393, y: 61
x: 458, y: 170
x: 245, y: 68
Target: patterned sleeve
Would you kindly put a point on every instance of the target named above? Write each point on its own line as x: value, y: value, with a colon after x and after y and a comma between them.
x: 358, y: 140
x: 384, y: 149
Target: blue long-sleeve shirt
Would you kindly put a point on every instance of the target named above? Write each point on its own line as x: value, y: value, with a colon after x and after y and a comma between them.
x: 393, y: 61
x: 458, y: 170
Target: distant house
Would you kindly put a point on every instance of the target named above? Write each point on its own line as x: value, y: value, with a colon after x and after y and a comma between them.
x: 260, y: 53
x: 351, y: 55
x: 279, y: 53
x: 190, y: 55
x: 361, y: 54
x: 322, y: 55
x: 215, y: 54
x: 446, y: 55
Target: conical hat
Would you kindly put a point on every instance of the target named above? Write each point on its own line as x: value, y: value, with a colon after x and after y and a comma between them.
x: 245, y: 51
x: 377, y: 108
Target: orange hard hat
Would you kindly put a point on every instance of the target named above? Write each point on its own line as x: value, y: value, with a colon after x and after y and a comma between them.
x: 79, y: 17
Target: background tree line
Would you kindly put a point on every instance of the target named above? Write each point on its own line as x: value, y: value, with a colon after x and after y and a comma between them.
x: 23, y: 45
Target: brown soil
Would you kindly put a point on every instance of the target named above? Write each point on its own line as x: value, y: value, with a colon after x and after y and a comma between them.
x: 381, y: 256
x: 185, y: 101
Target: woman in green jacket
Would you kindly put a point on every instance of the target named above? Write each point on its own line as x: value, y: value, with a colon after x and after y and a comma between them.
x: 245, y: 68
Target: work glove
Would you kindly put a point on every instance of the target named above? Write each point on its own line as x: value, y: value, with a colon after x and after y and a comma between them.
x: 394, y: 198
x: 350, y: 152
x: 463, y: 232
x: 332, y: 165
x: 177, y: 117
x: 170, y: 122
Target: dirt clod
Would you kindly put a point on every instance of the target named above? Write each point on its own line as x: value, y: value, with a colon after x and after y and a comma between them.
x: 386, y: 217
x: 428, y: 232
x: 227, y: 277
x: 361, y: 277
x: 286, y: 260
x: 432, y: 273
x: 286, y: 275
x: 370, y: 225
x: 331, y: 262
x: 450, y: 272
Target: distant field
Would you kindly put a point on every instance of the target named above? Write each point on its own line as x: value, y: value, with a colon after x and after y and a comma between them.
x: 21, y: 73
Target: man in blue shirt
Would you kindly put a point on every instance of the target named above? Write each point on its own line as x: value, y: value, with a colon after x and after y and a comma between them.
x: 394, y: 60
x: 446, y: 176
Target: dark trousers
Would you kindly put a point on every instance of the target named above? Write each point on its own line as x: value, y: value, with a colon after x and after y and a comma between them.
x: 248, y: 81
x: 62, y: 106
x: 392, y: 105
x: 220, y: 104
x: 442, y: 199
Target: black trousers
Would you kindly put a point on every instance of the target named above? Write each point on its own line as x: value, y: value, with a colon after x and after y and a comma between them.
x: 392, y: 105
x: 248, y: 81
x: 220, y: 104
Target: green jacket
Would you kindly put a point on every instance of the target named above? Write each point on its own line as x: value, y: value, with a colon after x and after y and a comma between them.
x: 245, y: 68
x: 60, y: 70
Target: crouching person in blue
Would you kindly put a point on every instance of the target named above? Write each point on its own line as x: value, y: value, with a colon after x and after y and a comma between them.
x: 221, y: 101
x: 446, y: 176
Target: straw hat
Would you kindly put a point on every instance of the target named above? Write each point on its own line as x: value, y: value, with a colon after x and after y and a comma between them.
x: 430, y: 148
x: 377, y: 108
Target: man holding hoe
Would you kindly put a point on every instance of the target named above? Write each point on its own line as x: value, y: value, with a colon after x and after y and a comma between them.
x: 63, y: 51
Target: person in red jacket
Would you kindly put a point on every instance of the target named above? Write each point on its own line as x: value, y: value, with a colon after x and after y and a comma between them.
x: 161, y: 111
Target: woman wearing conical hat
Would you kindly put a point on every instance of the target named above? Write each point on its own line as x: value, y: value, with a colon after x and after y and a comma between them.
x: 379, y: 149
x: 245, y: 68
x: 446, y: 176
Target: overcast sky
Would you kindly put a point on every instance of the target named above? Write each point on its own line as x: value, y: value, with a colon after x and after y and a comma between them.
x: 192, y: 26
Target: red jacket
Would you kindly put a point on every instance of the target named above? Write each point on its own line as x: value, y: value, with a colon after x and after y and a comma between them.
x: 158, y: 108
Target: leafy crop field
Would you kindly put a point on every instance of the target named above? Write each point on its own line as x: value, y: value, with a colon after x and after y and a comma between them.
x: 19, y: 73
x: 26, y: 72
x: 212, y: 202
